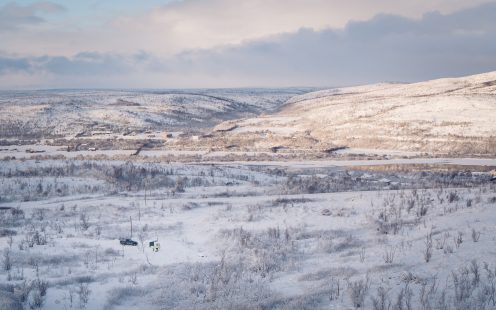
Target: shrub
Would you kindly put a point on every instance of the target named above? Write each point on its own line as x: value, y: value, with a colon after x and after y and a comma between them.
x: 475, y: 235
x: 9, y: 301
x: 41, y: 285
x: 6, y: 261
x: 36, y: 299
x: 84, y: 221
x: 381, y: 301
x: 83, y: 293
x: 219, y: 285
x: 458, y: 239
x: 4, y: 232
x: 452, y: 197
x: 358, y: 291
x: 389, y: 253
x: 119, y: 295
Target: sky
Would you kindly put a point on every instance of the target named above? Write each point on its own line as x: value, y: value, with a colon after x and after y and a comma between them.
x: 241, y: 43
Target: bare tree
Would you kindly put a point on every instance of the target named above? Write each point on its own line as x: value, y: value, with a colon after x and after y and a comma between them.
x: 428, y: 247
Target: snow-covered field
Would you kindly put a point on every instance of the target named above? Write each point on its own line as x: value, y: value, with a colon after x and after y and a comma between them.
x: 244, y: 236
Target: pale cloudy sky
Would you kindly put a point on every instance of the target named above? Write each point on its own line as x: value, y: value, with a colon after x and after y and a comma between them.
x: 231, y: 43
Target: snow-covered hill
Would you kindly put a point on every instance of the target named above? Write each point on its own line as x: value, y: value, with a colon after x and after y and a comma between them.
x: 36, y: 114
x: 456, y: 115
x: 450, y: 116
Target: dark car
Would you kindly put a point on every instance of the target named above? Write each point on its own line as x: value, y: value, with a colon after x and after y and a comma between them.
x: 128, y: 242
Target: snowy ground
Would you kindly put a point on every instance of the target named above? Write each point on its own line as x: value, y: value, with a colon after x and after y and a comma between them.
x: 245, y: 236
x: 257, y: 204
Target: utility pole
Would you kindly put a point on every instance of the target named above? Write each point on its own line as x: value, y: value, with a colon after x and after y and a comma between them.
x: 131, y: 220
x: 139, y: 210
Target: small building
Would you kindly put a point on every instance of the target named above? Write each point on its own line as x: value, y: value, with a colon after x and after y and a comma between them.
x: 154, y: 245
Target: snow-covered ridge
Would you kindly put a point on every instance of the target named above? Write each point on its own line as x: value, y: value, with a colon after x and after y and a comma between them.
x: 445, y: 115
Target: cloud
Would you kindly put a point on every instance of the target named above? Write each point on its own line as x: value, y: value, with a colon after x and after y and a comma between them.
x: 386, y: 47
x: 13, y: 64
x: 191, y: 24
x: 14, y: 16
x: 81, y: 64
x: 86, y: 63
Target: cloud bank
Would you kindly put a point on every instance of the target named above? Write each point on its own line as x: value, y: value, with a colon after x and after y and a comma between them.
x: 386, y: 47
